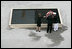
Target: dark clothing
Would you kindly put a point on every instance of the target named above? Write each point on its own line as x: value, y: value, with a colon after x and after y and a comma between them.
x: 55, y: 20
x: 49, y: 27
x: 49, y: 19
x: 39, y: 17
x: 39, y: 21
x: 50, y: 22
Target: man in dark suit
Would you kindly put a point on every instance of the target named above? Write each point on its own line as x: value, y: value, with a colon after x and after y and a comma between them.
x: 49, y: 23
x: 49, y: 17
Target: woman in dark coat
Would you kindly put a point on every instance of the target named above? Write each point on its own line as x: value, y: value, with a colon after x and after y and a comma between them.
x: 39, y: 22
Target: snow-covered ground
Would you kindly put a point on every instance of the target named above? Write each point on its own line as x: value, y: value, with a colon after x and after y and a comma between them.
x: 28, y: 38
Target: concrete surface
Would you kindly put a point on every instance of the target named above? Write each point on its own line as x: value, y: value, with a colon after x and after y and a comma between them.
x: 28, y: 38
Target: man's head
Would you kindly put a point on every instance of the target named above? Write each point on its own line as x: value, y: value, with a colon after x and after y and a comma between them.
x: 50, y: 12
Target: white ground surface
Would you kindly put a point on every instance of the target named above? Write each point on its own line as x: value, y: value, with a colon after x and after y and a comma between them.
x: 26, y: 38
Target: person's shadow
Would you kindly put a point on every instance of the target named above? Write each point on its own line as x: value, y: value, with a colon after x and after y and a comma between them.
x: 56, y: 37
x: 34, y: 36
